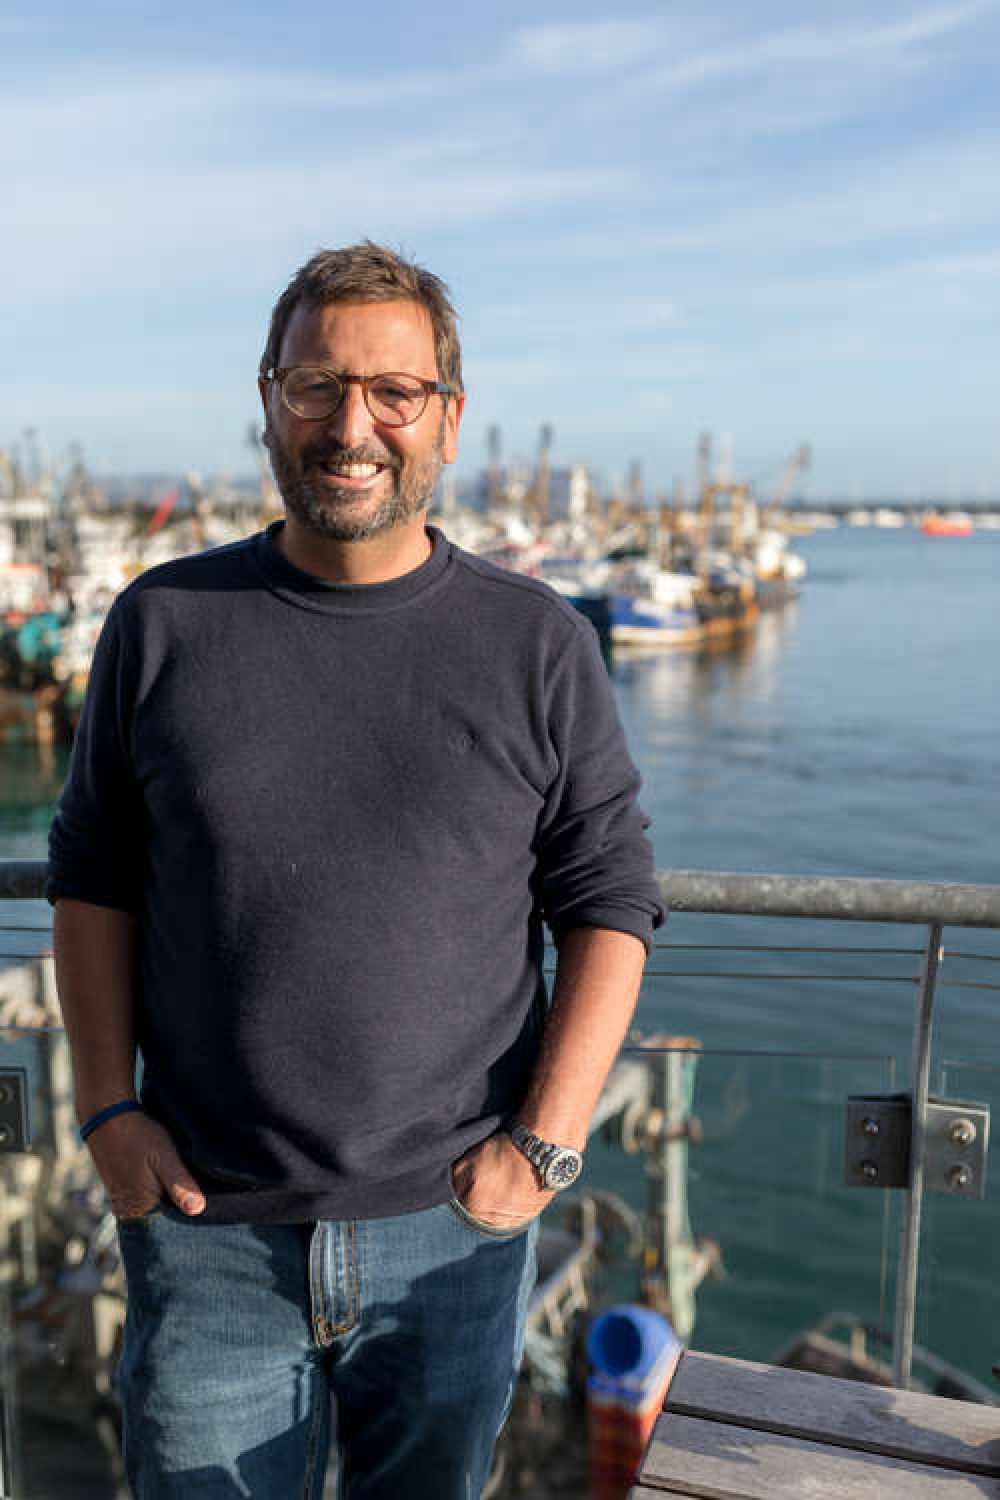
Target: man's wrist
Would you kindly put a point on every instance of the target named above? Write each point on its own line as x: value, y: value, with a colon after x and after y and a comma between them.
x: 109, y: 1112
x: 556, y: 1166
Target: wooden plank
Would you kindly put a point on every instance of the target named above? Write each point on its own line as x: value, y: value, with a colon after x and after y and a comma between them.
x: 714, y: 1461
x: 640, y: 1492
x: 903, y: 1424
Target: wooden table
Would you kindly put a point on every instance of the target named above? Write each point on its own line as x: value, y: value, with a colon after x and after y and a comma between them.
x: 732, y: 1430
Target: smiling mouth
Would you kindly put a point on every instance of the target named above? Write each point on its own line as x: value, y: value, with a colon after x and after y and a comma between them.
x: 338, y: 469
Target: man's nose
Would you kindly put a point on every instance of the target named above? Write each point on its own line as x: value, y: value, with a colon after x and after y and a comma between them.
x: 352, y: 422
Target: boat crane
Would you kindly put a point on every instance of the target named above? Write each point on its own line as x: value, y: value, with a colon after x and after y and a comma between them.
x: 496, y: 488
x: 538, y: 496
x: 797, y: 464
x: 268, y: 489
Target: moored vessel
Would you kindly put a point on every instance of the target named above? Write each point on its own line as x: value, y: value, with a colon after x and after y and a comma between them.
x: 953, y: 523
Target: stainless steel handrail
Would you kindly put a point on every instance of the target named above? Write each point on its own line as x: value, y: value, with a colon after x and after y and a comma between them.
x: 831, y: 897
x: 930, y: 905
x: 22, y: 879
x: 836, y: 898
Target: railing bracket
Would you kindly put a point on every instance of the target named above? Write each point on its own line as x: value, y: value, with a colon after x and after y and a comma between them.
x: 13, y: 1109
x: 877, y: 1141
x: 958, y: 1139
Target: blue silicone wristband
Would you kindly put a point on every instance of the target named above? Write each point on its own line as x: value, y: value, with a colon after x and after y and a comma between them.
x: 124, y: 1107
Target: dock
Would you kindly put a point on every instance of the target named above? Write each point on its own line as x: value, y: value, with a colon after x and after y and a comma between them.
x: 735, y: 1430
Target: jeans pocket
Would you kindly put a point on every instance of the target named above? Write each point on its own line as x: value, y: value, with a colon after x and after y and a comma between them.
x: 139, y: 1220
x: 484, y: 1230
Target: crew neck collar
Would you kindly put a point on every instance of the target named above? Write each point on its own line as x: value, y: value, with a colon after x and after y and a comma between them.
x: 309, y: 592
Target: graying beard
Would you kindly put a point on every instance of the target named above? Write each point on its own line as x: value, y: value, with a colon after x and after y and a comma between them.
x: 303, y: 504
x: 301, y: 501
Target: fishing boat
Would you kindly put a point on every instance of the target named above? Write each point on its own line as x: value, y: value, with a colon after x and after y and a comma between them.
x: 652, y: 606
x: 778, y: 571
x: 582, y: 582
x: 726, y: 602
x: 848, y: 1347
x: 954, y: 523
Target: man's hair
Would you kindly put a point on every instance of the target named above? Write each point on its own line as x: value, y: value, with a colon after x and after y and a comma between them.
x: 369, y: 273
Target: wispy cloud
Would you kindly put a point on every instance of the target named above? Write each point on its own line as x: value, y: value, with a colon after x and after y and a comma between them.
x: 667, y: 58
x: 589, y: 44
x: 146, y: 180
x: 890, y: 195
x: 925, y: 26
x: 713, y: 93
x: 710, y: 198
x: 831, y: 345
x: 933, y: 295
x: 611, y: 317
x: 959, y: 266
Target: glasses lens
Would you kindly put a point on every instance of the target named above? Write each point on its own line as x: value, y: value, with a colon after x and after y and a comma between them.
x: 396, y: 400
x: 312, y: 393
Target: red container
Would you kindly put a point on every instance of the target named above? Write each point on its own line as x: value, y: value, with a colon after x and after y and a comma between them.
x: 633, y: 1353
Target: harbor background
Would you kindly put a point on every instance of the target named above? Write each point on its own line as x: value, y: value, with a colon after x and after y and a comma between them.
x: 854, y: 732
x: 779, y: 225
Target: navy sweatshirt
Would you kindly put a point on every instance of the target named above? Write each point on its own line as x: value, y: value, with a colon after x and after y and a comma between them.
x: 340, y: 815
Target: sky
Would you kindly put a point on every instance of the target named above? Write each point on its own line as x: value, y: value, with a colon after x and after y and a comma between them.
x: 774, y: 220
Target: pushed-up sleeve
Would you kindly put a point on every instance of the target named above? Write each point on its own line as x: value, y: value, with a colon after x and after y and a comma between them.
x: 595, y: 863
x: 96, y: 838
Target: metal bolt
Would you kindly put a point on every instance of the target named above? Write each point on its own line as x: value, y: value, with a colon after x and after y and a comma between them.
x: 5, y: 1135
x: 870, y: 1125
x: 959, y: 1176
x: 869, y: 1170
x: 962, y: 1132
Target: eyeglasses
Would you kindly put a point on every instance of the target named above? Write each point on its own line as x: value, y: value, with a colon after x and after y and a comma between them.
x: 313, y: 393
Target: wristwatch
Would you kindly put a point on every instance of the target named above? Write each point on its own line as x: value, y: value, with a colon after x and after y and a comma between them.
x: 557, y: 1166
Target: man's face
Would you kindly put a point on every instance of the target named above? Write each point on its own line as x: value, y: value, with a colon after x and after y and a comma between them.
x: 349, y: 477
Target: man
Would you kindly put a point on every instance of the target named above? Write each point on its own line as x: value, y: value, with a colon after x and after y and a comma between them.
x: 327, y: 785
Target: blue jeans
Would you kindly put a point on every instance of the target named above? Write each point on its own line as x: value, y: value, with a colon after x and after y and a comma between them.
x: 237, y: 1335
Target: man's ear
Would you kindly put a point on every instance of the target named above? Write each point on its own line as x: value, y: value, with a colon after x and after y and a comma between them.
x: 264, y: 387
x: 452, y: 417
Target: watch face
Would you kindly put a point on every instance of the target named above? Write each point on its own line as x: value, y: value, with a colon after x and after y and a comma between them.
x: 563, y: 1169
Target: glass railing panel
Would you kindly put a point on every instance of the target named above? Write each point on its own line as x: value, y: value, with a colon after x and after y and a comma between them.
x: 25, y: 930
x: 755, y: 1170
x: 958, y: 1295
x: 717, y: 1197
x: 762, y: 1174
x: 786, y: 984
x: 62, y: 1287
x: 764, y: 1167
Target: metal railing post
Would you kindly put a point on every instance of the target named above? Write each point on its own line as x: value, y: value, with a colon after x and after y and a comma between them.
x: 909, y: 1237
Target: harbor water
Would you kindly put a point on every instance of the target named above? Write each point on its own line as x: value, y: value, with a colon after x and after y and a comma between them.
x: 854, y: 732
